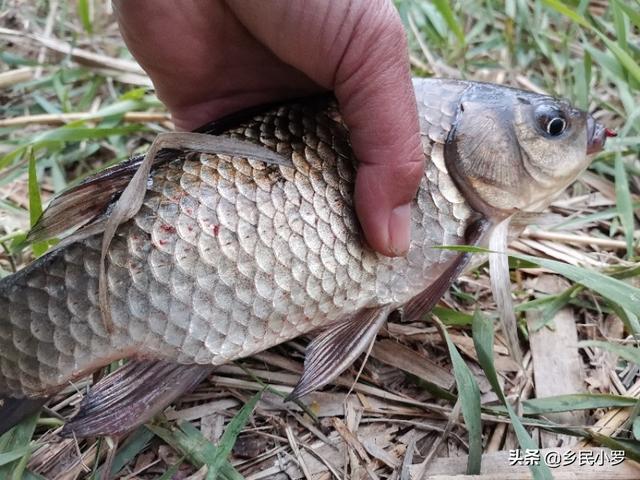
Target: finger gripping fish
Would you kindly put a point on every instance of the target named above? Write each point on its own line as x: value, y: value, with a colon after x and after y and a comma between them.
x: 231, y: 254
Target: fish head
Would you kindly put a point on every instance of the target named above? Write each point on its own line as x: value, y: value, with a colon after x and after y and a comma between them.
x: 511, y: 150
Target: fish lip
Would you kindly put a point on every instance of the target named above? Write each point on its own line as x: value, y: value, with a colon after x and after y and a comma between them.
x: 597, y: 136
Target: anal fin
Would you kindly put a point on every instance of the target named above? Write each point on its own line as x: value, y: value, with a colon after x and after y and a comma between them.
x: 131, y: 396
x: 331, y: 352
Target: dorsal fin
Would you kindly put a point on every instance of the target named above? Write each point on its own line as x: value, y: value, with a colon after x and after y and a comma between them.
x: 84, y: 202
x: 91, y: 199
x: 335, y: 349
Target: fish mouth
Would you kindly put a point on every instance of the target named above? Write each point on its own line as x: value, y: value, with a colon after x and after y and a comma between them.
x: 597, y: 134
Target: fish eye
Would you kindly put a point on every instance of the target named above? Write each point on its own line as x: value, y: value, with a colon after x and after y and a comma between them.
x: 556, y: 126
x: 551, y: 120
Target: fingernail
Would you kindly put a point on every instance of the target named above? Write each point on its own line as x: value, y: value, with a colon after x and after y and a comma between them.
x: 400, y: 229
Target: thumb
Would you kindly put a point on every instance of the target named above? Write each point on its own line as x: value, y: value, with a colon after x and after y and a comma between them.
x: 377, y: 101
x: 358, y: 49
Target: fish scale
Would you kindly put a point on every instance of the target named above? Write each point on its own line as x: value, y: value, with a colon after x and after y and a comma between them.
x: 229, y: 256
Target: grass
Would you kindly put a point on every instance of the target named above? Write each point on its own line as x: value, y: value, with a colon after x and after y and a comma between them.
x: 63, y: 117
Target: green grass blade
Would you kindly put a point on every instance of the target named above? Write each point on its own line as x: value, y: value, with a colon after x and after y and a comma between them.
x: 624, y: 203
x: 168, y: 475
x: 452, y: 317
x: 615, y: 290
x: 483, y: 340
x: 464, y: 248
x: 582, y: 79
x: 67, y: 134
x: 135, y: 444
x: 634, y: 15
x: 198, y: 450
x: 35, y: 201
x: 79, y: 133
x: 601, y: 215
x: 577, y: 401
x: 19, y: 437
x: 61, y: 89
x: 444, y: 7
x: 607, y: 62
x: 623, y: 57
x: 629, y: 320
x: 630, y: 447
x: 120, y: 108
x: 619, y: 25
x: 621, y: 54
x: 29, y: 475
x: 9, y: 457
x: 138, y: 94
x: 562, y: 8
x: 210, y: 451
x: 469, y: 396
x: 628, y: 352
x: 46, y: 105
x: 228, y: 439
x: 549, y: 306
x: 84, y: 12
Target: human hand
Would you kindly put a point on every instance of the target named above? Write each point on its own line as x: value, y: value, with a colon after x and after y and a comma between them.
x: 208, y: 58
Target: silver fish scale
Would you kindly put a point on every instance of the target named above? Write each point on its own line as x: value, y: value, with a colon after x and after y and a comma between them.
x: 228, y: 257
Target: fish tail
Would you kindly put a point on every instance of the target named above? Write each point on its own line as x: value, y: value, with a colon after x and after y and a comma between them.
x: 14, y: 410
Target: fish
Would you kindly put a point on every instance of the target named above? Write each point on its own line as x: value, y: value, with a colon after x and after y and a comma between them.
x: 232, y: 253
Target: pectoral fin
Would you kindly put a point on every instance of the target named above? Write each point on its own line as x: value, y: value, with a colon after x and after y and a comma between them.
x: 131, y: 396
x: 422, y: 303
x: 331, y: 352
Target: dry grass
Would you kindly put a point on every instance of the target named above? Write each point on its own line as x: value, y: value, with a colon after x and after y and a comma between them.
x: 401, y: 420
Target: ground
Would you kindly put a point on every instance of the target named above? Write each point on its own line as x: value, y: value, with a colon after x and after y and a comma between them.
x: 72, y: 101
